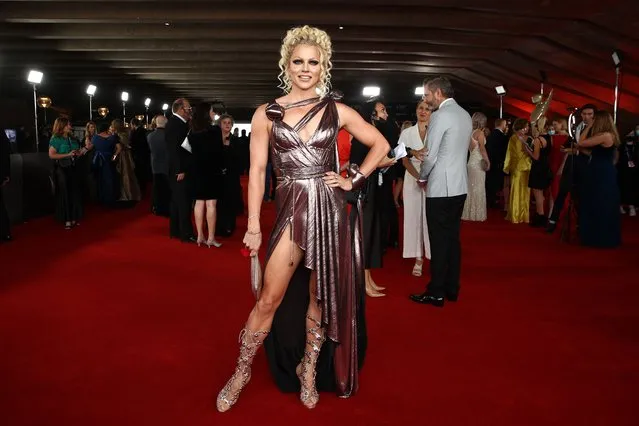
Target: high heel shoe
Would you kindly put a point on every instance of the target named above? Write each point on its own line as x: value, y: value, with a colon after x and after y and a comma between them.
x: 417, y: 269
x: 308, y: 393
x: 371, y: 292
x: 374, y: 285
x: 200, y: 241
x: 249, y: 344
x: 213, y: 243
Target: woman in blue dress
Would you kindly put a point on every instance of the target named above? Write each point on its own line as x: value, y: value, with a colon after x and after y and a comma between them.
x: 106, y: 148
x: 599, y: 216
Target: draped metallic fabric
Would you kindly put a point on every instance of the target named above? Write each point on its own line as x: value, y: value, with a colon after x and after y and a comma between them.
x: 316, y: 216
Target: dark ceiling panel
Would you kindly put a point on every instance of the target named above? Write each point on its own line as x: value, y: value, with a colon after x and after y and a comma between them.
x: 229, y: 50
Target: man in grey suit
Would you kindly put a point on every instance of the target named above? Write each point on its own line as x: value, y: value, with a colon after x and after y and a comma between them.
x: 445, y: 178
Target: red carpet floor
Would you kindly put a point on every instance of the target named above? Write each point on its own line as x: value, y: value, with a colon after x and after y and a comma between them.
x: 113, y: 324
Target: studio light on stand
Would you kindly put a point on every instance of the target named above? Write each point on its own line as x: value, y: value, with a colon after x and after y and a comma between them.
x: 124, y: 97
x: 35, y: 78
x: 147, y: 102
x: 616, y: 58
x: 91, y: 91
x: 501, y: 92
x: 165, y: 107
x: 419, y: 91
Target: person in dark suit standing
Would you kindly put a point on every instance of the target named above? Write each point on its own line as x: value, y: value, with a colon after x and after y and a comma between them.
x: 445, y: 177
x: 496, y: 147
x: 177, y: 128
x: 5, y: 176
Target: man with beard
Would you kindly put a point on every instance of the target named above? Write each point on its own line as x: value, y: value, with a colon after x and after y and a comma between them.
x: 445, y: 177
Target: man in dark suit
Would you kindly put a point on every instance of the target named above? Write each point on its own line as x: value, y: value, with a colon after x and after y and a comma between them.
x: 177, y: 128
x: 496, y: 147
x: 5, y: 174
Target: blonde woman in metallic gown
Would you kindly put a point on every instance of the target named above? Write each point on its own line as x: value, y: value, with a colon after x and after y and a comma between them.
x: 311, y: 228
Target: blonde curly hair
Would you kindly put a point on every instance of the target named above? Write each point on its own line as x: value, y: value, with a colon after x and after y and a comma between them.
x: 310, y: 36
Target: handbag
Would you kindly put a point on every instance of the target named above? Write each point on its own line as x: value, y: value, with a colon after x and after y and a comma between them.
x: 66, y: 162
x: 256, y: 276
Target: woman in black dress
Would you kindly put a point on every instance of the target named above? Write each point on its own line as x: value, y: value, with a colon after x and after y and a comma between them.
x: 540, y: 173
x: 206, y: 148
x: 599, y: 215
x: 372, y: 202
x: 230, y: 203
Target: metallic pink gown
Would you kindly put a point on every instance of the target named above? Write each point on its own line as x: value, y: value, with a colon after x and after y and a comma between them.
x: 319, y: 224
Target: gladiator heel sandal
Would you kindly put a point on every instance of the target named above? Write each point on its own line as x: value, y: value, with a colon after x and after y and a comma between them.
x: 308, y: 393
x: 249, y: 344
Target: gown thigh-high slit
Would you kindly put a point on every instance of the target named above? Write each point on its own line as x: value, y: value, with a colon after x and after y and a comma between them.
x: 319, y: 224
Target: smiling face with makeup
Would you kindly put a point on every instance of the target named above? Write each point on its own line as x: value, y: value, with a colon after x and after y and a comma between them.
x: 304, y: 68
x: 305, y: 62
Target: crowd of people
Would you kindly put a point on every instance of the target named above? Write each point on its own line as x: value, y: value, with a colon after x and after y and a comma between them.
x: 334, y: 173
x: 114, y: 165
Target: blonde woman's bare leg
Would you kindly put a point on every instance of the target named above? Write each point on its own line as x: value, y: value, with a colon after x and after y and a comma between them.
x: 277, y: 275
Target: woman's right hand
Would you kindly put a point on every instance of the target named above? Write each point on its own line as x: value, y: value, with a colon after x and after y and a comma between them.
x: 253, y: 241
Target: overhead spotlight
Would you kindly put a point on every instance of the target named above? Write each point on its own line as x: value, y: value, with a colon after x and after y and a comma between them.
x: 124, y: 96
x: 35, y: 77
x: 501, y: 90
x: 147, y: 102
x: 616, y: 58
x: 167, y: 24
x: 419, y: 91
x: 91, y: 90
x: 341, y: 27
x: 371, y: 91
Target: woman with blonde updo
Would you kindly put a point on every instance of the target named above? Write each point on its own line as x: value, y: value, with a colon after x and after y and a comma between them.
x: 313, y: 245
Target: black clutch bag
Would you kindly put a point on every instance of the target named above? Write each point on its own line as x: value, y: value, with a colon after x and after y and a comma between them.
x: 65, y: 162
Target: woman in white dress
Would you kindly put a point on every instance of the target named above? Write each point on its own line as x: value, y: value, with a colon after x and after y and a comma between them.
x: 478, y: 165
x: 416, y: 243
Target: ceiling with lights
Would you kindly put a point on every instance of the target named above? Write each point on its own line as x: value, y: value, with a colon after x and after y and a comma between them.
x: 228, y: 50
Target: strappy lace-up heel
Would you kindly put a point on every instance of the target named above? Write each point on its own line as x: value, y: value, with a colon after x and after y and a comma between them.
x: 249, y: 344
x: 308, y: 392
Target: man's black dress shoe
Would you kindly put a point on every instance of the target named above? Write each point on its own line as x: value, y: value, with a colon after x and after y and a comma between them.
x: 428, y: 299
x: 452, y: 297
x: 189, y: 240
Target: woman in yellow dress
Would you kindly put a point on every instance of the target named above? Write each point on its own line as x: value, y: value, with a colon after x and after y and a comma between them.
x: 517, y: 165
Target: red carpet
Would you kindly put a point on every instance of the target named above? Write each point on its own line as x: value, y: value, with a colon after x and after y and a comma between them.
x: 112, y: 324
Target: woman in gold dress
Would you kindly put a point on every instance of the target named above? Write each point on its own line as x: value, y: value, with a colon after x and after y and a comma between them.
x: 517, y: 165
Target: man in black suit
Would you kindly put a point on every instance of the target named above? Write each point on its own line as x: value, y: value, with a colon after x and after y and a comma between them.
x: 5, y: 174
x: 496, y: 147
x: 177, y: 128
